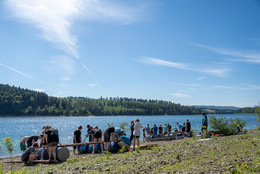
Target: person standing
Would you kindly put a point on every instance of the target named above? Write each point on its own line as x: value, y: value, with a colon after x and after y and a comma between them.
x: 144, y: 137
x: 169, y: 128
x: 52, y: 141
x: 204, y: 123
x: 188, y: 128
x: 165, y: 129
x: 107, y: 134
x: 137, y: 132
x: 148, y: 133
x: 44, y: 141
x: 132, y: 131
x: 89, y: 134
x: 97, y: 137
x: 77, y: 138
x: 155, y: 129
x: 160, y: 129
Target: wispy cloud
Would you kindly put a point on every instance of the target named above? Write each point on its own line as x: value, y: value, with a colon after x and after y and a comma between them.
x: 222, y: 87
x: 180, y: 95
x: 92, y: 85
x: 201, y: 78
x: 19, y: 72
x: 56, y: 18
x: 251, y: 87
x: 242, y: 56
x: 220, y: 71
x: 155, y: 61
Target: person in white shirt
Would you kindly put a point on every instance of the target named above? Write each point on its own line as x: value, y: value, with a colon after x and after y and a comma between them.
x: 137, y: 132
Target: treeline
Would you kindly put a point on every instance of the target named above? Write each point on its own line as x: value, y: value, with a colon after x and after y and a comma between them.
x: 18, y: 101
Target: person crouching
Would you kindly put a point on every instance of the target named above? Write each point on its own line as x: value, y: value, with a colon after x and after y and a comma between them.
x: 29, y: 154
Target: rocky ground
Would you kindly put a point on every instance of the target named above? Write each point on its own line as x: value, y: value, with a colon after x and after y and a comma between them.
x: 229, y: 154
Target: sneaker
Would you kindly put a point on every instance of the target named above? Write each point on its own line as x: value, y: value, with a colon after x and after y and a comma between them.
x: 93, y: 152
x: 41, y: 159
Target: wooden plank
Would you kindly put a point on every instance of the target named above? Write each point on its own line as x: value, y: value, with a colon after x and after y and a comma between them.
x: 81, y: 144
x: 35, y: 161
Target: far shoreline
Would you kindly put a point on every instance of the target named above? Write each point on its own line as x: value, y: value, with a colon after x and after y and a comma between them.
x: 3, y: 116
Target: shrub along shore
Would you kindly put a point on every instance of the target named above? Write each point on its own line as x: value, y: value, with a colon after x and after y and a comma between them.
x: 227, y: 154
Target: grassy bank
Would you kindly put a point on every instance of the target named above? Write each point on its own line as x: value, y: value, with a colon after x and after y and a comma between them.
x: 230, y: 154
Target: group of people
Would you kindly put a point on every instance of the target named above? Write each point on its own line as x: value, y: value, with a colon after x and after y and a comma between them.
x: 49, y: 139
x: 161, y: 130
x: 95, y: 136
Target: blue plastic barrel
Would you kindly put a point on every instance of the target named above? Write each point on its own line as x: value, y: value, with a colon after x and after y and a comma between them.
x: 113, y: 147
x: 45, y: 155
x: 97, y: 148
x: 62, y: 153
x: 83, y: 149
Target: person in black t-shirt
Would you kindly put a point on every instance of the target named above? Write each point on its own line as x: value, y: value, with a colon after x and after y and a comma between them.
x: 29, y: 154
x: 132, y: 131
x: 188, y: 128
x: 97, y: 137
x: 52, y: 141
x: 77, y: 137
x: 169, y: 128
x: 107, y: 134
x: 33, y: 139
x: 160, y: 129
x: 89, y: 133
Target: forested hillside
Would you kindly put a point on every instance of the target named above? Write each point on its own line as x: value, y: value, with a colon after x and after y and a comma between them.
x: 18, y: 101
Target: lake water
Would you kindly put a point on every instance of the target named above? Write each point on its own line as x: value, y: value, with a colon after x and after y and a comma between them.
x: 18, y: 127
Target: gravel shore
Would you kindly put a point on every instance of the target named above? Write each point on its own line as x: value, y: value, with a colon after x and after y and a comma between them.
x: 237, y: 153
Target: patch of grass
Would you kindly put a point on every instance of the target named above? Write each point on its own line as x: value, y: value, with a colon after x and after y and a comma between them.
x: 231, y: 154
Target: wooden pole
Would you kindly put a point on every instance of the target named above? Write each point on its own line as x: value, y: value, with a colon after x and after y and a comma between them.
x: 80, y: 144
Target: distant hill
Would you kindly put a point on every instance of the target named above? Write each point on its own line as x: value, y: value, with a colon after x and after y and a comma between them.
x: 232, y: 108
x: 19, y: 101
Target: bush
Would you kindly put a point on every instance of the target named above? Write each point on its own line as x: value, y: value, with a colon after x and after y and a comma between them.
x: 226, y: 127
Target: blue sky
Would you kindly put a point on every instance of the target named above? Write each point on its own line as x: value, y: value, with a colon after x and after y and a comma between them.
x: 189, y: 52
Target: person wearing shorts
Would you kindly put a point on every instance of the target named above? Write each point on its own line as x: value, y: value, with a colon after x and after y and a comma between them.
x: 107, y: 134
x: 52, y: 141
x: 97, y: 137
x: 137, y: 132
x: 22, y: 143
x: 77, y: 138
x: 29, y: 154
